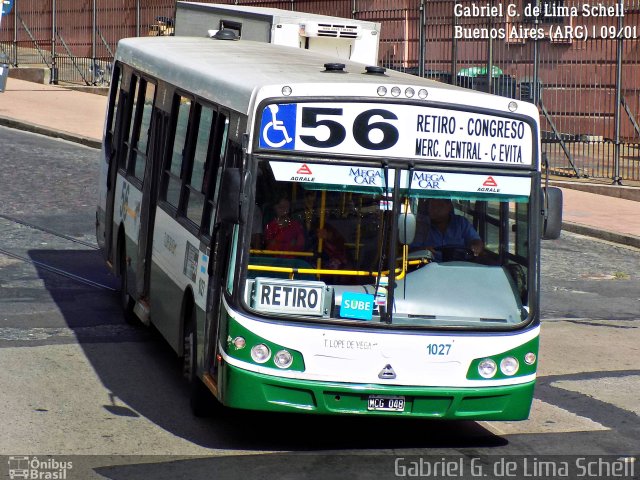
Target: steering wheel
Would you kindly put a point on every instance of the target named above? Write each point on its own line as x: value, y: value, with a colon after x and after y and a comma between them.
x: 420, y: 255
x: 452, y: 253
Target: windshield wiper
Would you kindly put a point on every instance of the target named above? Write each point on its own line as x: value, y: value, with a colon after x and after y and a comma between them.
x: 391, y: 255
x: 383, y: 310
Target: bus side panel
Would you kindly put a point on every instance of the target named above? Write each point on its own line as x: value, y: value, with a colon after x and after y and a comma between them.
x: 176, y: 266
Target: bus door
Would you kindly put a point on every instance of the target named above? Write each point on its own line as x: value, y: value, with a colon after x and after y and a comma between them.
x: 155, y: 154
x: 220, y: 252
x: 134, y: 155
x: 118, y: 103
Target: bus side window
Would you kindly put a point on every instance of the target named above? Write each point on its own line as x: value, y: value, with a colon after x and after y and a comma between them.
x: 521, y: 230
x: 172, y: 173
x: 112, y: 112
x: 128, y: 104
x: 213, y: 174
x: 139, y: 133
x: 519, y: 247
x: 195, y: 187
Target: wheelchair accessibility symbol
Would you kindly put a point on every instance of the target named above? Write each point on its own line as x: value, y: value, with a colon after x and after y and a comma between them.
x: 278, y: 126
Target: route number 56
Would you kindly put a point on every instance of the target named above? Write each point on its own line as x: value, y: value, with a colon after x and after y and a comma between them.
x: 363, y: 127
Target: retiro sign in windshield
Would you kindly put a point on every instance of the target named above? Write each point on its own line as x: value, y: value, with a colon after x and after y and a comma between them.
x: 407, y: 131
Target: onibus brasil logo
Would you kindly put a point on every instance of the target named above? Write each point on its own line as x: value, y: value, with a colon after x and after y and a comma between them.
x: 33, y: 468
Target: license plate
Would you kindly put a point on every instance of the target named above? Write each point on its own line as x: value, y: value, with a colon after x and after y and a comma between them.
x: 388, y: 404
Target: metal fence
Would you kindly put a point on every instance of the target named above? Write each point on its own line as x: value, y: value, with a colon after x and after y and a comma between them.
x: 584, y: 74
x: 587, y: 89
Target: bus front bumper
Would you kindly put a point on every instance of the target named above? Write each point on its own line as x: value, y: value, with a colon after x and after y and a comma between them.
x: 254, y: 391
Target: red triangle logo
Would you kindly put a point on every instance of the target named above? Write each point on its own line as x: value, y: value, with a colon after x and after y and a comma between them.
x: 304, y: 170
x: 490, y: 182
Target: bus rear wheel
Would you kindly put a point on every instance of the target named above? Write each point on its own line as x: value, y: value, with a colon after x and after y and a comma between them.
x: 201, y: 400
x: 126, y: 302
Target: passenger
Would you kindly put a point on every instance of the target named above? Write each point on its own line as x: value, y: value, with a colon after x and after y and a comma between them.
x: 309, y: 217
x: 283, y: 233
x: 446, y: 229
x: 334, y: 250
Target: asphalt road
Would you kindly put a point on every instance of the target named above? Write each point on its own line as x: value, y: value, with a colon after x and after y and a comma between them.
x: 77, y: 384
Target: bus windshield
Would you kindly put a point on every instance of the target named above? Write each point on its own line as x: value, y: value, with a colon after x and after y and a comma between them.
x: 349, y: 243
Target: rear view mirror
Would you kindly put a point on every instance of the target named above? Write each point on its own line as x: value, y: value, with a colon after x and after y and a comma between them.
x: 229, y: 204
x: 552, y: 222
x: 406, y: 228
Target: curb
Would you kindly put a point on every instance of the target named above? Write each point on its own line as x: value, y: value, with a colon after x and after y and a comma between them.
x: 625, y: 192
x: 49, y: 132
x: 619, y: 238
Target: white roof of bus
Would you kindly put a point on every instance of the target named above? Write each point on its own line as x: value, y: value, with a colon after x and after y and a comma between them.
x: 241, y: 67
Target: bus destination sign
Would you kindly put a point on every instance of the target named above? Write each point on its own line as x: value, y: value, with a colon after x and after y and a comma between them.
x: 409, y: 131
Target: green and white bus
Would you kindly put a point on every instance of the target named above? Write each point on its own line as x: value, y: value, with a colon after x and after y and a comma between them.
x: 260, y: 205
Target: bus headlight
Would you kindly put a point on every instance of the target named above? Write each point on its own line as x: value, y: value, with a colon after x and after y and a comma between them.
x: 509, y: 366
x: 487, y: 368
x: 260, y: 353
x: 283, y: 359
x: 530, y: 358
x: 239, y: 343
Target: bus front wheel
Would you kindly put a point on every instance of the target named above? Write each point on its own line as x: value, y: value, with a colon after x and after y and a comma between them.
x: 200, y: 399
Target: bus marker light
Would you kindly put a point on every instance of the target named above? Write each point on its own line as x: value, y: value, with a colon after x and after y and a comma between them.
x: 239, y: 343
x: 395, y: 91
x: 283, y: 359
x: 530, y: 358
x: 422, y: 93
x: 260, y: 353
x: 409, y: 92
x: 509, y: 366
x: 286, y: 91
x: 487, y: 368
x: 382, y: 91
x: 513, y: 106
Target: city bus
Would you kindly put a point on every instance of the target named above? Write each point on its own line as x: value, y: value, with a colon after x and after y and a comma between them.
x: 262, y: 205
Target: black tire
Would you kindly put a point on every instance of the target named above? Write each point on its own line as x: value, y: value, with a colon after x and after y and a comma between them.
x: 553, y: 207
x: 201, y: 400
x: 126, y: 302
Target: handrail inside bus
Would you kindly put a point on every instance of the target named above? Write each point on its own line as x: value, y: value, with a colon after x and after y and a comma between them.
x: 281, y: 253
x: 292, y: 271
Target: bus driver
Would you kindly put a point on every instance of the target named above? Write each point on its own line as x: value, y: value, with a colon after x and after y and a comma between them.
x: 446, y: 229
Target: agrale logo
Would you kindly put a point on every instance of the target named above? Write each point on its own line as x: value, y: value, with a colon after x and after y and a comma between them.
x: 35, y: 469
x: 304, y: 171
x: 489, y: 185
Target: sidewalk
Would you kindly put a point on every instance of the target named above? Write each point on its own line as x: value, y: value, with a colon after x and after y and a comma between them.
x: 79, y: 117
x: 53, y: 111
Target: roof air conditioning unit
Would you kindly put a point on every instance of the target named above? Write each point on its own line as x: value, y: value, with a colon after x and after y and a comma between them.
x: 334, y: 30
